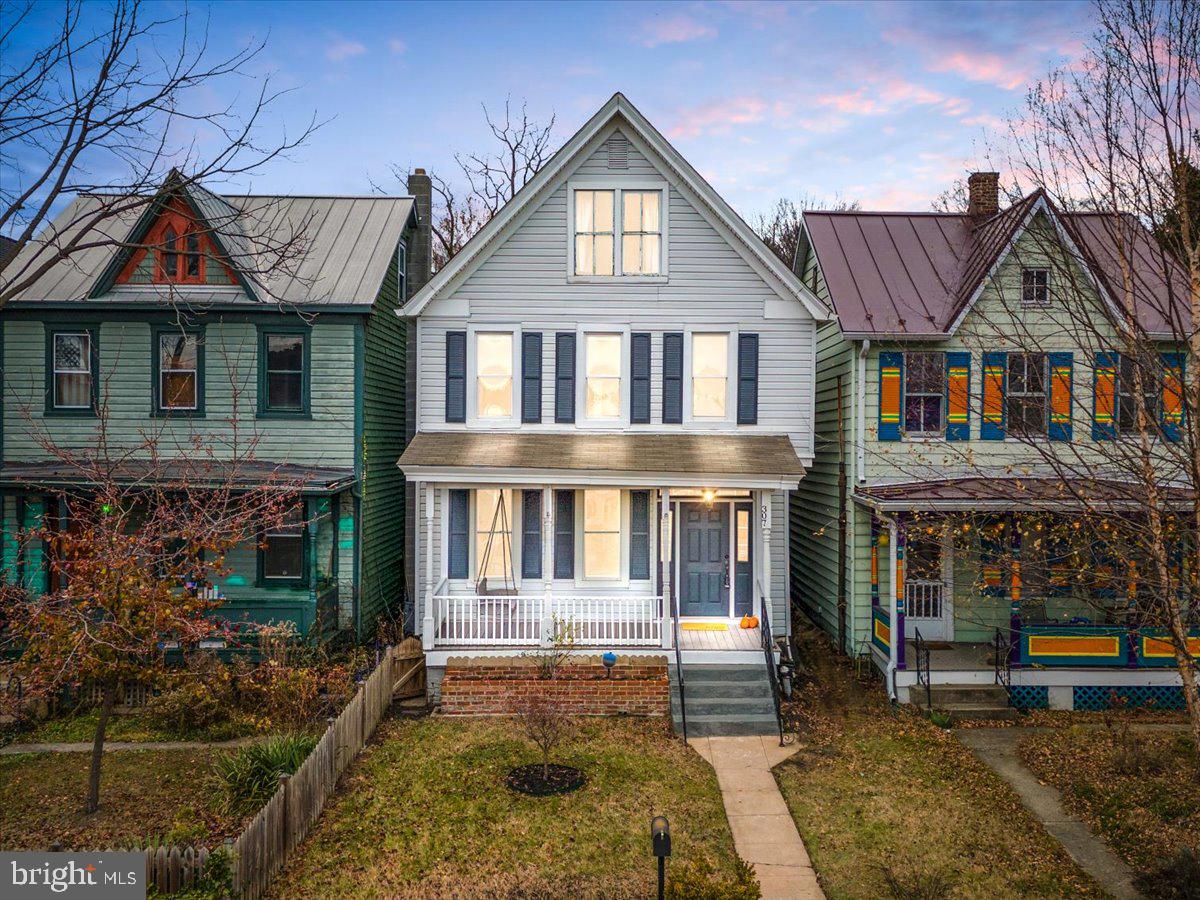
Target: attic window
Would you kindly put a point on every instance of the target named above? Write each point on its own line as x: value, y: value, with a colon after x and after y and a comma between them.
x: 1035, y: 287
x: 180, y: 251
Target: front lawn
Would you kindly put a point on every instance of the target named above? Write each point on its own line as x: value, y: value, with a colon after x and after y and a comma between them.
x: 143, y: 794
x: 136, y: 727
x: 425, y: 813
x: 1140, y: 790
x: 889, y: 805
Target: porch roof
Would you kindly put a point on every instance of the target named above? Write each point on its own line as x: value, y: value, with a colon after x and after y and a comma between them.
x: 1029, y: 492
x: 193, y: 473
x: 668, y: 460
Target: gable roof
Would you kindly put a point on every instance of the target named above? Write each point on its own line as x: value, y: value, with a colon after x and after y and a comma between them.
x: 711, y: 206
x: 916, y: 274
x: 343, y: 246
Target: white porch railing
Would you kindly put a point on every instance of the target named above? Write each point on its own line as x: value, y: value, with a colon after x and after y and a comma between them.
x: 923, y: 599
x: 492, y: 621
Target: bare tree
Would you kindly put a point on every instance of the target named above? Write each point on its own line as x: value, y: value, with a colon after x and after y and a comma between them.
x: 780, y: 227
x: 546, y: 724
x: 110, y: 105
x: 487, y: 179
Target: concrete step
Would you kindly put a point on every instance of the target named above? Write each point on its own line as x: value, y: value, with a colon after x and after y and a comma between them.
x: 697, y: 672
x: 698, y: 690
x: 722, y: 706
x: 1003, y: 713
x: 729, y: 726
x: 962, y: 695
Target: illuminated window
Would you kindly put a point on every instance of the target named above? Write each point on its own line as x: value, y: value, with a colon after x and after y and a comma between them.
x: 496, y: 521
x: 743, y: 535
x: 593, y: 232
x: 494, y: 374
x: 710, y: 375
x: 602, y: 361
x: 641, y: 232
x: 602, y: 533
x: 178, y: 370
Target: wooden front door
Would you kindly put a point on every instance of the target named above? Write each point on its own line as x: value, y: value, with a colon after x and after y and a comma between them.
x: 704, y: 560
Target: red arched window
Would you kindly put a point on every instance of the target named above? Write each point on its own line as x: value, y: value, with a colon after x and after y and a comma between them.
x: 168, y: 258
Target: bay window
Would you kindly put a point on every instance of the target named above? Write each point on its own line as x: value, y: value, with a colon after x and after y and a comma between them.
x: 602, y: 533
x: 602, y: 368
x: 710, y: 375
x: 494, y: 374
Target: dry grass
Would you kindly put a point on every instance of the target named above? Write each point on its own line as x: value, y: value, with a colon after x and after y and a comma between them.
x: 890, y: 806
x: 1140, y: 790
x: 425, y: 814
x: 143, y: 794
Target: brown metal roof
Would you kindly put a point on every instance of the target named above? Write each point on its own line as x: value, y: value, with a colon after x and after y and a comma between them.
x: 909, y: 273
x: 976, y: 492
x: 699, y: 454
x: 193, y: 473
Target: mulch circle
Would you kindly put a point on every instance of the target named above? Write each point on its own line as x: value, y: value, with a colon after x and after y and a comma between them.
x: 528, y: 780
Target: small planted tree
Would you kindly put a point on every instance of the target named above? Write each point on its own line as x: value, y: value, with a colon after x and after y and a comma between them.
x: 546, y: 725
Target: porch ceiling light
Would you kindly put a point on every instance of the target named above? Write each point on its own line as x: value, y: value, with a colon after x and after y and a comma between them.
x: 709, y: 496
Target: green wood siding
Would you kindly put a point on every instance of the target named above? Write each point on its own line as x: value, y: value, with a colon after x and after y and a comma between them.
x: 381, y: 443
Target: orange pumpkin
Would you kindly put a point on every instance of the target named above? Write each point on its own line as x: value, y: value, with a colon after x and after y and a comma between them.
x: 749, y: 621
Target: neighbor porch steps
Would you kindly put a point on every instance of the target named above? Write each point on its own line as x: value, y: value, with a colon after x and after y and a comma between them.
x: 724, y: 700
x: 978, y: 701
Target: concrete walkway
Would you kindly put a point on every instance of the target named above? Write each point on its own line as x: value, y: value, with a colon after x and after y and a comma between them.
x: 764, y: 833
x: 997, y: 747
x: 109, y: 746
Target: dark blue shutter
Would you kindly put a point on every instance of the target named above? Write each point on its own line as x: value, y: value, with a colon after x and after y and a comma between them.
x: 456, y: 376
x: 459, y: 556
x: 639, y: 364
x: 564, y: 534
x: 672, y: 377
x: 1104, y: 396
x: 958, y: 396
x: 639, y: 535
x: 891, y: 395
x: 747, y: 383
x: 1059, y: 390
x: 531, y: 534
x: 564, y: 376
x: 1171, y: 405
x: 995, y: 388
x: 531, y: 376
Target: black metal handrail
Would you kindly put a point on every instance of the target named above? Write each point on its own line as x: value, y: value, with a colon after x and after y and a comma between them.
x: 1003, y: 659
x: 921, y: 652
x: 678, y: 663
x: 768, y: 644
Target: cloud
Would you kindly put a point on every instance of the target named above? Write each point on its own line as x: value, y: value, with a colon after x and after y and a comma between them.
x: 397, y: 46
x: 717, y: 116
x: 673, y: 30
x: 990, y: 68
x: 341, y: 49
x: 890, y: 95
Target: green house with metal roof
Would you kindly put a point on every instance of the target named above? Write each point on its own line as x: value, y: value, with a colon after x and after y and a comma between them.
x: 222, y: 321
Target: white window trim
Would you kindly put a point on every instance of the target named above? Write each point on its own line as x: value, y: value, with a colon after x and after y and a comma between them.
x: 473, y: 418
x: 1033, y: 304
x: 617, y: 184
x: 924, y: 436
x: 581, y: 417
x: 730, y: 418
x: 626, y: 527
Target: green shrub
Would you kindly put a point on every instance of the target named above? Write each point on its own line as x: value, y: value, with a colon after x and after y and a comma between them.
x: 696, y: 880
x: 250, y: 774
x: 189, y: 708
x: 941, y: 718
x: 1174, y: 878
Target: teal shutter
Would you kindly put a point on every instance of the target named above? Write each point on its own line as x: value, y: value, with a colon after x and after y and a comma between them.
x: 459, y: 555
x: 456, y: 376
x: 891, y: 395
x: 564, y: 376
x: 672, y: 378
x: 747, y: 383
x: 958, y: 396
x: 531, y: 376
x: 995, y: 386
x: 639, y: 535
x: 564, y: 534
x: 639, y: 380
x: 531, y: 534
x: 1171, y: 405
x: 1104, y: 396
x: 1062, y: 379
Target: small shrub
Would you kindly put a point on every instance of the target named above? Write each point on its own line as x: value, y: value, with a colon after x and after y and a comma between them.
x: 911, y: 883
x: 250, y: 775
x: 941, y: 718
x: 189, y: 708
x: 696, y: 880
x: 1174, y: 878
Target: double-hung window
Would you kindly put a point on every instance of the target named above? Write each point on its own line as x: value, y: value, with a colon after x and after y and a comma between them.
x: 178, y: 368
x: 494, y: 375
x: 594, y: 232
x: 282, y: 549
x: 641, y: 232
x: 73, y: 371
x: 284, y: 377
x: 1035, y: 287
x: 924, y: 392
x: 1025, y: 398
x: 710, y: 375
x: 602, y: 354
x: 602, y: 533
x: 494, y: 535
x: 1127, y: 415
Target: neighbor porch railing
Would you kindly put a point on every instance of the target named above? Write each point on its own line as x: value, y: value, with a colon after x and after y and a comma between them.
x: 923, y: 599
x: 478, y: 620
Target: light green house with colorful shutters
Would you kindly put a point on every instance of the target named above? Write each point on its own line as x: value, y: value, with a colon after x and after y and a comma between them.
x: 259, y: 329
x: 970, y: 368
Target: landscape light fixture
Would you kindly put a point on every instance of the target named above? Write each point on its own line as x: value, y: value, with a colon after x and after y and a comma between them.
x: 660, y: 840
x: 609, y: 659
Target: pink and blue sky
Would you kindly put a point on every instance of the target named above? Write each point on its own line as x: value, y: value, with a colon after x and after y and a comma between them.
x: 885, y: 103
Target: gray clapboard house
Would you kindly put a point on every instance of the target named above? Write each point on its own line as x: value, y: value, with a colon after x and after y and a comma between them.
x: 614, y: 387
x: 184, y: 338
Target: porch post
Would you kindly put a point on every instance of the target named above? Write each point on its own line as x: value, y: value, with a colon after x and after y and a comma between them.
x: 547, y: 620
x: 664, y: 554
x: 893, y: 566
x: 898, y: 637
x: 874, y: 563
x: 1014, y: 609
x: 427, y: 622
x: 765, y: 513
x: 1133, y: 621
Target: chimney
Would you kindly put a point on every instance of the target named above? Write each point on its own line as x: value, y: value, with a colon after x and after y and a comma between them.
x: 420, y: 254
x: 983, y: 194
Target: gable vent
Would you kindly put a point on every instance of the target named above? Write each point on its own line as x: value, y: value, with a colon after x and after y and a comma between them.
x: 618, y: 153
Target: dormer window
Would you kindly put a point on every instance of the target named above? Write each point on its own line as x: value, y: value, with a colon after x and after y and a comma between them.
x: 617, y: 231
x: 169, y: 266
